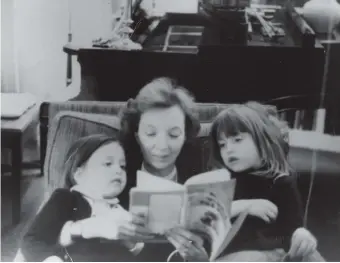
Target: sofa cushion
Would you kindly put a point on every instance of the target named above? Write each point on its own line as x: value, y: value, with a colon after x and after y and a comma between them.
x: 74, y: 123
x: 51, y: 109
x: 206, y: 111
x: 64, y: 129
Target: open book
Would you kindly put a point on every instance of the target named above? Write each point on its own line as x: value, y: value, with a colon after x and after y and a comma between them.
x: 202, y: 205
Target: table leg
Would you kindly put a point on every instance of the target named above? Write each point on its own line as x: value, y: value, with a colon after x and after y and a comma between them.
x: 16, y: 178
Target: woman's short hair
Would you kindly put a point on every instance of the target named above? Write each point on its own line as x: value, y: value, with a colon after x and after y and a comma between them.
x: 269, y: 133
x: 160, y: 93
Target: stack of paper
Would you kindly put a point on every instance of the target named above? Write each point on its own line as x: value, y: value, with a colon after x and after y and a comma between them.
x: 13, y: 105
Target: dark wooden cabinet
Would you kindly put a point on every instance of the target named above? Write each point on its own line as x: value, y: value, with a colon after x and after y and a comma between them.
x: 258, y: 70
x: 332, y: 86
x: 217, y: 71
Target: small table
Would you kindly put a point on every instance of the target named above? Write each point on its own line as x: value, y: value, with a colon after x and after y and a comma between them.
x: 12, y: 134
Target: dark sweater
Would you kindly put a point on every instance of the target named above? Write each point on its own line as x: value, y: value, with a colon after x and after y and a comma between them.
x: 41, y: 240
x: 256, y: 234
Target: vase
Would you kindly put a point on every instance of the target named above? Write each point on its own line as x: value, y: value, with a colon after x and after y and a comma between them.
x: 322, y: 15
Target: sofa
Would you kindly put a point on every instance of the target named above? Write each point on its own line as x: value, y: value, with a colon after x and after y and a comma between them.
x: 61, y: 123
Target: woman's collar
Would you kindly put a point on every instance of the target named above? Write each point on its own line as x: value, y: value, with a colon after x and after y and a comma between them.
x: 171, y: 176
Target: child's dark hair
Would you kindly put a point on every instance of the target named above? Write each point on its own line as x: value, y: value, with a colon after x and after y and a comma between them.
x: 81, y: 151
x: 268, y: 132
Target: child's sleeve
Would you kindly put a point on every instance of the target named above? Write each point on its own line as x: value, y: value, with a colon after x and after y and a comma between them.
x: 42, y: 238
x: 288, y: 201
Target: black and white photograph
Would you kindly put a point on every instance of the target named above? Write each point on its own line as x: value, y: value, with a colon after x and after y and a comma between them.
x: 170, y: 130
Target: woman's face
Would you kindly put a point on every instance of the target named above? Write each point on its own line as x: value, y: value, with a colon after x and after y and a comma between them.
x: 161, y: 135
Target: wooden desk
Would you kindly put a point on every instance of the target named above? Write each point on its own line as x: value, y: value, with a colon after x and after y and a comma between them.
x: 12, y: 134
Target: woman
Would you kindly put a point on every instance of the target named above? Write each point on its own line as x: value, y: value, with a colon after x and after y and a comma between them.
x: 157, y: 127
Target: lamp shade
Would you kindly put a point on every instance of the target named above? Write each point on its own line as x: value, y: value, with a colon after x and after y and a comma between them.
x: 322, y: 15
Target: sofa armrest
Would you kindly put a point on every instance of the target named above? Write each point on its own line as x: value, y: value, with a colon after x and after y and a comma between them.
x: 65, y: 128
x: 50, y: 109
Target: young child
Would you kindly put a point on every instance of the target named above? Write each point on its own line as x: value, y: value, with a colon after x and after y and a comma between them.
x: 84, y: 221
x: 250, y: 141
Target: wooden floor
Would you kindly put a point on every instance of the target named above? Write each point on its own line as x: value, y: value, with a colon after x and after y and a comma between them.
x: 32, y: 193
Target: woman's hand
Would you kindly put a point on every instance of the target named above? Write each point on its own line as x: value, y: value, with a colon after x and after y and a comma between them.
x: 189, y: 245
x: 263, y: 209
x: 114, y: 229
x: 303, y: 243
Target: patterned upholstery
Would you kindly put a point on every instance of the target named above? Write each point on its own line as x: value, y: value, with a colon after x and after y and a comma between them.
x: 71, y: 120
x: 206, y: 111
x: 65, y: 128
x: 68, y: 120
x: 111, y: 108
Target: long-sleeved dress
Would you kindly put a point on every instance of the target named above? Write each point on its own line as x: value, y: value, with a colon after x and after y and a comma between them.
x: 255, y: 233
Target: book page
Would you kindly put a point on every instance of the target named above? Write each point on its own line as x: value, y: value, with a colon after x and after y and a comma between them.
x: 231, y: 234
x: 163, y: 210
x: 203, y: 205
x: 219, y: 175
x: 155, y: 183
x: 209, y: 211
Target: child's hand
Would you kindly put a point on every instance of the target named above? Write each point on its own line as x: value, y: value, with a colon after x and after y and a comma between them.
x: 107, y: 227
x: 303, y: 243
x: 263, y: 209
x: 134, y: 230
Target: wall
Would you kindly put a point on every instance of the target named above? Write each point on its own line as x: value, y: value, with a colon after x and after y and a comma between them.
x: 35, y: 33
x: 40, y: 28
x: 8, y: 67
x: 91, y: 19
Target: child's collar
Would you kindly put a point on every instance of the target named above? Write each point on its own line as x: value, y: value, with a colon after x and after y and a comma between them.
x: 89, y: 193
x: 252, y: 172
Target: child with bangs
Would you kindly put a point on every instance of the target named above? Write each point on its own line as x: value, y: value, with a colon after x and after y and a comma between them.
x: 252, y: 143
x: 86, y: 219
